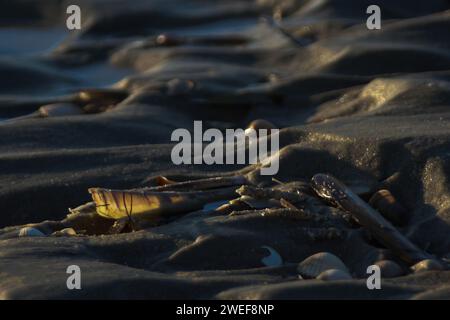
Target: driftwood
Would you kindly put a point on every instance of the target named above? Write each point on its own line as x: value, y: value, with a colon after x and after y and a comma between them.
x: 335, y: 191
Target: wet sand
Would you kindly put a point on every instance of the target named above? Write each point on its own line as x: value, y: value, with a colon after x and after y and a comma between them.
x: 369, y: 107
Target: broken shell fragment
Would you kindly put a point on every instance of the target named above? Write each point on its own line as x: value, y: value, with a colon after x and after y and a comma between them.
x: 427, y: 265
x: 117, y: 204
x: 389, y: 207
x: 273, y: 259
x: 314, y: 265
x: 334, y: 275
x: 389, y: 269
x: 30, y: 232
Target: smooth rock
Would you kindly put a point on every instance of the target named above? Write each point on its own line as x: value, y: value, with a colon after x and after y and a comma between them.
x: 314, y: 265
x: 334, y: 275
x: 390, y: 269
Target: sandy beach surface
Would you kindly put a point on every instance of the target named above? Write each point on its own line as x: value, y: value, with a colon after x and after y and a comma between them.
x: 370, y: 107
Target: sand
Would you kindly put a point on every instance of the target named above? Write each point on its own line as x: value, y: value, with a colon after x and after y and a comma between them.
x: 361, y: 105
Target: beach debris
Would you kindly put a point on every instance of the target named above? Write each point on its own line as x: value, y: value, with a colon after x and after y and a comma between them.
x: 64, y: 232
x: 273, y: 259
x: 390, y: 269
x: 389, y: 207
x: 59, y: 110
x: 314, y: 265
x: 427, y: 265
x: 331, y: 189
x: 145, y: 204
x: 334, y: 275
x: 31, y: 232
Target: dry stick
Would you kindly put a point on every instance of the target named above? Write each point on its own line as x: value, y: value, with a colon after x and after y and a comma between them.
x: 202, y: 184
x: 332, y: 189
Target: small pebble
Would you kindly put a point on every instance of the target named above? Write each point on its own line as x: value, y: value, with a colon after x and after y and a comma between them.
x: 314, y: 265
x: 334, y: 275
x: 427, y: 265
x: 30, y: 232
x: 389, y: 269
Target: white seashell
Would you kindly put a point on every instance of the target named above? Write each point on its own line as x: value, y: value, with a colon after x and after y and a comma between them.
x: 272, y: 260
x: 334, y: 275
x: 427, y: 265
x: 314, y: 265
x: 389, y: 269
x: 30, y: 232
x: 65, y: 232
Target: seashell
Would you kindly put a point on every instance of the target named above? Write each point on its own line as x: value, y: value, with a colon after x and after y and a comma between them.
x: 30, y: 232
x: 389, y: 269
x: 314, y: 265
x: 273, y: 259
x: 59, y: 110
x: 117, y: 204
x: 64, y: 232
x: 427, y: 265
x: 389, y: 207
x: 334, y: 275
x: 176, y: 87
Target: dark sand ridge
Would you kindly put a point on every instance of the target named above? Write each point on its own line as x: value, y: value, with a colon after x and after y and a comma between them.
x: 361, y: 105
